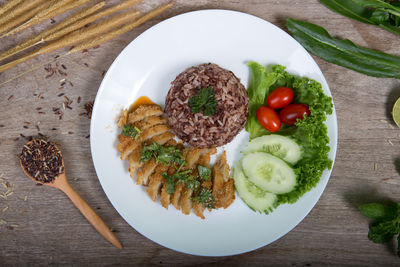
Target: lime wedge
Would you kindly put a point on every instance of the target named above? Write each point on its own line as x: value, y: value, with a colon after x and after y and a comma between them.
x: 396, y: 112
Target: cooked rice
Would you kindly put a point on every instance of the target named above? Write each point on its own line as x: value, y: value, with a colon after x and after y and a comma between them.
x: 195, y: 128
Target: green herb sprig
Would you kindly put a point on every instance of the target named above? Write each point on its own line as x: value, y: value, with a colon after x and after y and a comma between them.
x: 165, y: 155
x: 191, y: 182
x: 205, y: 197
x: 128, y: 130
x: 386, y: 224
x: 205, y: 99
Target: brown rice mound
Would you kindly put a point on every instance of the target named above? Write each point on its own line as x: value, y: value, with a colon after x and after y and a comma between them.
x: 195, y: 128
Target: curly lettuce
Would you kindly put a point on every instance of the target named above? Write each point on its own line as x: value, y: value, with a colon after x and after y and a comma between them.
x: 311, y: 132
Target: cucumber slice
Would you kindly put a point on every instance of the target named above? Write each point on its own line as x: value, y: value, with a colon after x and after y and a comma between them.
x: 269, y: 172
x: 257, y: 199
x: 278, y: 145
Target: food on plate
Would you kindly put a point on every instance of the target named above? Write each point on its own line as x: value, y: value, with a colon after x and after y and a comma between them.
x: 178, y: 175
x: 293, y: 112
x: 281, y: 167
x: 280, y: 97
x: 206, y: 106
x: 268, y: 119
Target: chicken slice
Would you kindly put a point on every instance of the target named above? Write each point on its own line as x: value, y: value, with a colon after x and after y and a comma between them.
x: 204, y: 160
x: 223, y: 185
x: 134, y: 161
x: 156, y: 181
x: 165, y: 197
x: 175, y: 200
x: 123, y: 119
x: 186, y: 201
x: 126, y: 148
x: 144, y: 111
x: 149, y: 122
x: 144, y: 172
x: 161, y: 139
x: 218, y: 181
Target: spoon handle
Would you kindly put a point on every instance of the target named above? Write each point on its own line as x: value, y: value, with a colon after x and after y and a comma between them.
x: 90, y: 215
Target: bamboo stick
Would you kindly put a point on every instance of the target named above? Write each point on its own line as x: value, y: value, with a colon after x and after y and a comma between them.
x: 124, y: 29
x: 54, y: 32
x: 14, y: 22
x: 56, y: 9
x: 9, y: 5
x: 20, y: 9
x: 75, y: 37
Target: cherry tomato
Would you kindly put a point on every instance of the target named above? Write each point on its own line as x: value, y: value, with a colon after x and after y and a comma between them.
x: 292, y: 112
x: 280, y: 97
x: 268, y: 118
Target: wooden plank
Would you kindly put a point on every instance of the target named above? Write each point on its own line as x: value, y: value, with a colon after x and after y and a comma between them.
x: 51, y: 231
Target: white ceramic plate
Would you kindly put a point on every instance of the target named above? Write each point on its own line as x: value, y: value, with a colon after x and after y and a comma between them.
x: 146, y: 67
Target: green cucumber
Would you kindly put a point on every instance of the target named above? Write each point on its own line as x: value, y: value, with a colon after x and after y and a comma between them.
x: 269, y: 172
x: 278, y: 145
x: 256, y: 198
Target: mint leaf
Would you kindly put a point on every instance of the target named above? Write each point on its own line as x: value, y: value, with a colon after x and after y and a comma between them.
x: 204, y: 99
x: 378, y: 211
x: 382, y: 232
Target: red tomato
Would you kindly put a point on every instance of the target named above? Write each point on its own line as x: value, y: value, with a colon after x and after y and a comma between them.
x: 292, y: 112
x: 268, y: 118
x: 280, y: 97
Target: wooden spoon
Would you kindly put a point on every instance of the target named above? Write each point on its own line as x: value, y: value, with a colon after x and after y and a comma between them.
x: 61, y: 183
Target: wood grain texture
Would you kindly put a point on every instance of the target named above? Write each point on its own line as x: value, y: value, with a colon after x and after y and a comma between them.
x: 48, y: 230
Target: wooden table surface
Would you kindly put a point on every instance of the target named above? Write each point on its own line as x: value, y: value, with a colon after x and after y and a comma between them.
x: 39, y: 225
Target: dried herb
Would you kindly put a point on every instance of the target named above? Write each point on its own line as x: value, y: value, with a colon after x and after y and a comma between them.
x: 204, y: 101
x: 42, y: 160
x: 128, y: 130
x: 205, y: 197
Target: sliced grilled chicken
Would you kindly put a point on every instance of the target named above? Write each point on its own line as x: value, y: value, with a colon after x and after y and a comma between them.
x: 156, y: 181
x: 154, y: 128
x: 144, y: 111
x: 222, y: 183
x: 150, y: 122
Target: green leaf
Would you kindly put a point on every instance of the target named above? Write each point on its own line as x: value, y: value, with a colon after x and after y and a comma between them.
x: 380, y: 16
x: 349, y: 9
x: 130, y: 131
x: 343, y: 52
x: 382, y: 232
x: 356, y: 11
x: 398, y: 246
x: 204, y: 99
x: 379, y: 4
x: 378, y: 211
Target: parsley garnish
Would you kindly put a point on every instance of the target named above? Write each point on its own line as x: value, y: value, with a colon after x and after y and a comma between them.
x: 204, y: 173
x: 386, y: 224
x: 205, y: 197
x: 184, y: 176
x: 204, y: 99
x: 165, y: 155
x: 128, y: 130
